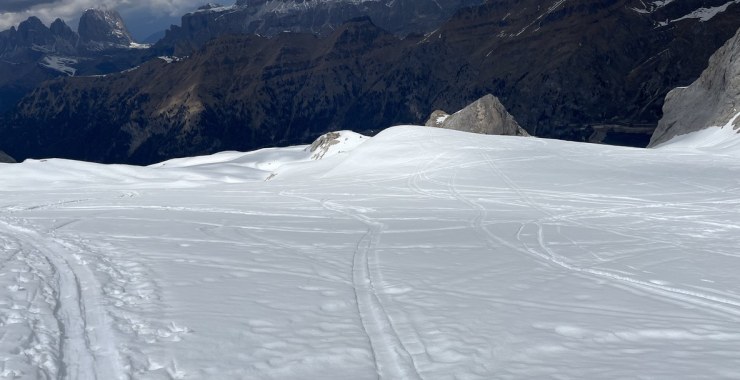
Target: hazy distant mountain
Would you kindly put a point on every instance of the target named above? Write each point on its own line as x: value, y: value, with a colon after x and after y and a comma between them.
x: 33, y: 52
x: 271, y: 17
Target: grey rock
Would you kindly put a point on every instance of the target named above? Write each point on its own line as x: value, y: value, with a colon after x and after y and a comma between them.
x: 485, y: 116
x: 437, y: 118
x: 321, y: 146
x: 103, y: 29
x: 712, y: 100
x: 5, y: 159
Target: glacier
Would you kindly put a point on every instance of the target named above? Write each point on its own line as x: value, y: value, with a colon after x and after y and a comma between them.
x: 419, y: 253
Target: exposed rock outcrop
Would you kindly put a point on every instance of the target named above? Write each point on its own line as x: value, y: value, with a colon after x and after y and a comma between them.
x: 5, y: 159
x: 712, y: 100
x: 333, y: 143
x: 103, y: 29
x: 486, y: 116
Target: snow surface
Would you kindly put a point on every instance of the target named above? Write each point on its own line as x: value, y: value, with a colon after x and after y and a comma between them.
x: 718, y: 140
x: 423, y: 253
x: 63, y: 65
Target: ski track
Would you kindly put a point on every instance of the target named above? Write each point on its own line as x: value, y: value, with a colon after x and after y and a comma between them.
x: 86, y: 344
x: 86, y: 310
x: 730, y: 307
x: 392, y: 358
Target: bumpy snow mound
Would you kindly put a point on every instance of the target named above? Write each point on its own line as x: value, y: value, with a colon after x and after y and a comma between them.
x: 710, y: 101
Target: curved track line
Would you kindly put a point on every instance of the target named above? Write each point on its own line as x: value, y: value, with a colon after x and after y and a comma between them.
x: 88, y: 349
x: 392, y: 359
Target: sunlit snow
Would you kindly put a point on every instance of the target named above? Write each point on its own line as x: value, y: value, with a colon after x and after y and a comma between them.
x: 421, y: 253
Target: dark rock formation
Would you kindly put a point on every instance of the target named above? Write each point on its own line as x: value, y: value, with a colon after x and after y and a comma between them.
x: 103, y: 29
x: 486, y: 116
x: 712, y: 100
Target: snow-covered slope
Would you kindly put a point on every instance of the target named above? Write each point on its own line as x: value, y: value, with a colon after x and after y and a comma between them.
x: 422, y: 253
x: 719, y: 140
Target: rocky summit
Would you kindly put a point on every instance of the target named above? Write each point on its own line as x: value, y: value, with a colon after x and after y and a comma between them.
x: 485, y: 116
x: 712, y: 100
x: 103, y: 29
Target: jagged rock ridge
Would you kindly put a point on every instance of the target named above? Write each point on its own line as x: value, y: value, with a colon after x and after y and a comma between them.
x: 485, y: 116
x: 712, y: 100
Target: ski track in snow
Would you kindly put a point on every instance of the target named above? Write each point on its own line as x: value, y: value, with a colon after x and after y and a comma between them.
x: 86, y: 346
x: 392, y: 358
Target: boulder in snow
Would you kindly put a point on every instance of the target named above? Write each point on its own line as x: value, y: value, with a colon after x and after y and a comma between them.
x: 485, y: 116
x: 333, y: 143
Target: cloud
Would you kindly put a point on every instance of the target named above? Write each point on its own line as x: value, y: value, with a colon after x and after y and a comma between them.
x: 21, y: 5
x: 13, y: 12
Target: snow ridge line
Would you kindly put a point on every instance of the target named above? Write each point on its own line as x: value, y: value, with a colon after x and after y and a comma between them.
x: 87, y: 348
x: 392, y: 359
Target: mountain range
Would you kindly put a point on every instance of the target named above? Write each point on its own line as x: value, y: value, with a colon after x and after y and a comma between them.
x: 581, y: 70
x: 33, y: 52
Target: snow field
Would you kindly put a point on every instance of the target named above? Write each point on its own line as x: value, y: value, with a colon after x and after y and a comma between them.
x: 419, y: 254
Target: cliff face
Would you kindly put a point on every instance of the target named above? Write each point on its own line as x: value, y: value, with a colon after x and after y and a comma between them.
x: 103, y: 29
x: 712, y: 100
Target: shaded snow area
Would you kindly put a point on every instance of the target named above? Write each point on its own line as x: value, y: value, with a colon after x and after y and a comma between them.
x: 702, y: 14
x: 63, y: 65
x: 422, y: 253
x: 718, y: 140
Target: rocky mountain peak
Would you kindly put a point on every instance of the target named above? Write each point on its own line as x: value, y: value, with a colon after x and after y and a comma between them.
x: 485, y: 116
x: 59, y: 27
x: 101, y: 29
x: 34, y: 32
x: 712, y: 100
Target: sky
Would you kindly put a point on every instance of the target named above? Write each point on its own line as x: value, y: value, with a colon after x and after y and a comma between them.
x: 143, y: 17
